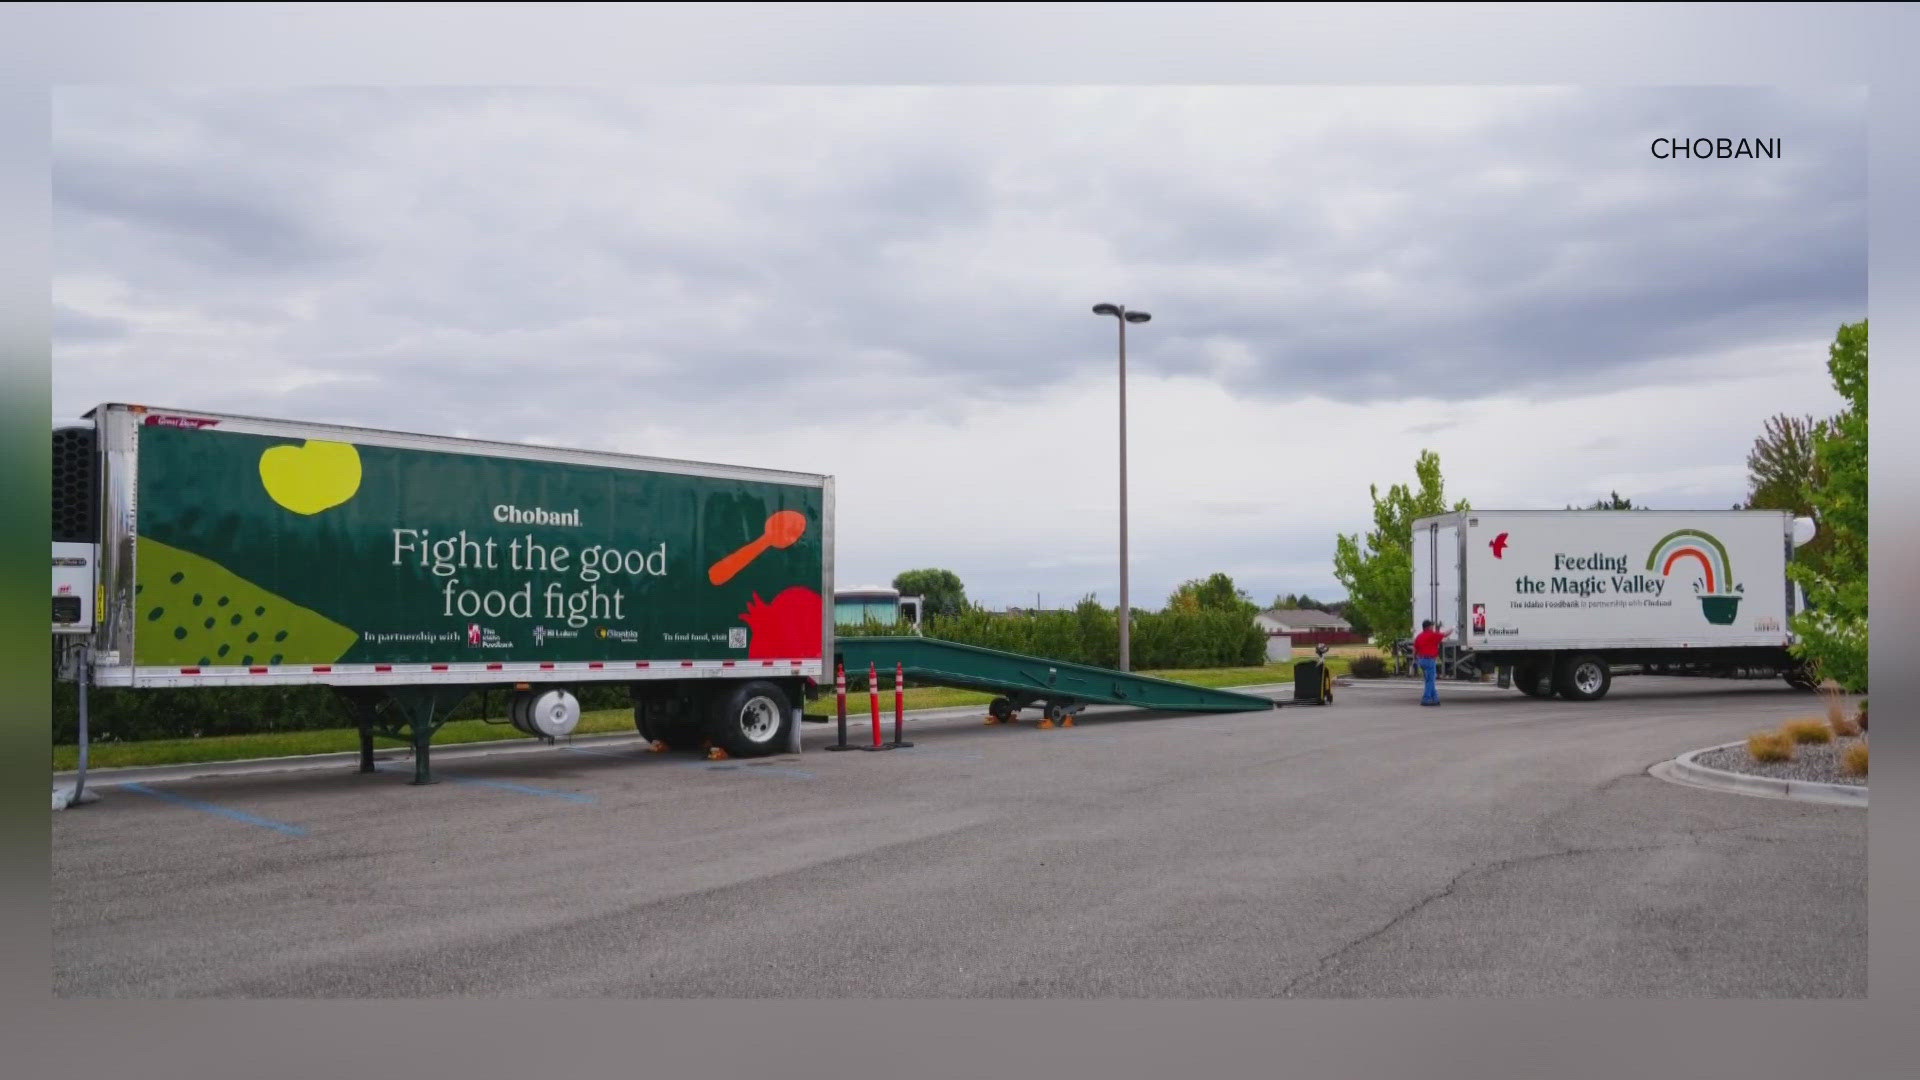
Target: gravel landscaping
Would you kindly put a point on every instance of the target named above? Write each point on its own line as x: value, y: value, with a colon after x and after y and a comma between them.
x: 1818, y: 763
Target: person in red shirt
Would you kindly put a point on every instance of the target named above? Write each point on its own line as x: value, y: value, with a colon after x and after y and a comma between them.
x: 1426, y: 653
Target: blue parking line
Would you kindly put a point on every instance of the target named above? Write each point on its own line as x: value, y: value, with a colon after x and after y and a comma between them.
x: 604, y: 753
x: 779, y: 770
x: 213, y: 808
x: 524, y: 789
x: 709, y: 766
x: 505, y: 785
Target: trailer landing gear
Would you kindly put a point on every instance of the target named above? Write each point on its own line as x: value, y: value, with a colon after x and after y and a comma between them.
x: 415, y: 713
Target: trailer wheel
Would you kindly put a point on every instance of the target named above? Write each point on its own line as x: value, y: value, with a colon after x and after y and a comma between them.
x: 678, y: 719
x: 1000, y: 708
x: 1534, y: 681
x: 646, y: 718
x: 1585, y: 677
x: 751, y: 720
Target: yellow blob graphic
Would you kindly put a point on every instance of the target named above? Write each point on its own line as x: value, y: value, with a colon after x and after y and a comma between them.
x: 311, y: 478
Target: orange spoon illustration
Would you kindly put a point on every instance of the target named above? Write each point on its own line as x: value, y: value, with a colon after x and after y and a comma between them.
x: 783, y: 528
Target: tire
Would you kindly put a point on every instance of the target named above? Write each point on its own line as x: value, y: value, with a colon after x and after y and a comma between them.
x: 676, y: 720
x: 1800, y: 680
x: 652, y: 716
x: 751, y: 720
x: 1533, y: 681
x: 643, y: 719
x: 1000, y: 708
x: 1584, y: 677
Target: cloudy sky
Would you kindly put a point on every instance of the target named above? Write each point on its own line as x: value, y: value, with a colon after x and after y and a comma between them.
x: 892, y: 285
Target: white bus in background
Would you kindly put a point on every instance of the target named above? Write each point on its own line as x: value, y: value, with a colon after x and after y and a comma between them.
x: 877, y: 603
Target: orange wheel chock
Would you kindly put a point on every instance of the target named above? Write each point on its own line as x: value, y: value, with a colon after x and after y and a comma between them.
x: 716, y: 753
x: 1046, y: 725
x: 657, y: 746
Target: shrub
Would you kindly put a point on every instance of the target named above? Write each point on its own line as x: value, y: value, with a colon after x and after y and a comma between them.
x: 1842, y: 726
x: 1090, y: 634
x: 1808, y: 731
x: 1862, y: 718
x: 1770, y: 746
x: 1369, y: 666
x: 122, y: 715
x: 1836, y: 702
x: 1854, y: 761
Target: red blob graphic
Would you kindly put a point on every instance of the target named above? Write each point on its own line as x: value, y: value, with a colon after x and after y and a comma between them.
x: 786, y: 629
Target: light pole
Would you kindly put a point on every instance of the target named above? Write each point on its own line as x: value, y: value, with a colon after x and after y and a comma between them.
x: 1123, y: 317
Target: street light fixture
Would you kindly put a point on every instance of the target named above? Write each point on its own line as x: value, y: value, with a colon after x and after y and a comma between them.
x: 1123, y: 317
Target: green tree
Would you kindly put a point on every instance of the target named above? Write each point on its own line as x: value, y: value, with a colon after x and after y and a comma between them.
x: 1216, y: 593
x: 1377, y: 568
x: 1613, y: 501
x: 1781, y: 468
x: 944, y: 594
x: 1783, y: 472
x: 1302, y: 602
x: 1833, y: 633
x: 1346, y: 610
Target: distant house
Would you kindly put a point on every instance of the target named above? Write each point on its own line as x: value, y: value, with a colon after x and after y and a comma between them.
x: 1307, y: 627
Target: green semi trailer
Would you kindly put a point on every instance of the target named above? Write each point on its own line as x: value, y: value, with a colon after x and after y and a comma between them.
x: 407, y: 571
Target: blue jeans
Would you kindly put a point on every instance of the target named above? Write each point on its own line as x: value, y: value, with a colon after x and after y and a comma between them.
x: 1429, y: 670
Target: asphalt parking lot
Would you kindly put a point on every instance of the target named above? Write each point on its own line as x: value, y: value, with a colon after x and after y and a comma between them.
x: 1497, y: 846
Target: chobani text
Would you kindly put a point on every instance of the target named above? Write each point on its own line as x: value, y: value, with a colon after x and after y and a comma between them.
x: 513, y: 515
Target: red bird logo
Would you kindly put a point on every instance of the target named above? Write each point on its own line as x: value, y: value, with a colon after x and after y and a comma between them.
x: 1499, y: 546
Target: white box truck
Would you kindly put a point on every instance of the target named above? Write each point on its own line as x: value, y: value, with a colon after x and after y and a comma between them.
x: 1561, y: 601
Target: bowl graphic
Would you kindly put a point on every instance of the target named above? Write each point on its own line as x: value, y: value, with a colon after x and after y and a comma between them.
x: 1720, y: 610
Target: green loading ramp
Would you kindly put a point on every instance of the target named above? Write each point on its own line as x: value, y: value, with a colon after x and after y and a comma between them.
x: 1060, y: 688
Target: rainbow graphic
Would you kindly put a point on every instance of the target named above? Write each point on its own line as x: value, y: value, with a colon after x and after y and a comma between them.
x: 1688, y: 548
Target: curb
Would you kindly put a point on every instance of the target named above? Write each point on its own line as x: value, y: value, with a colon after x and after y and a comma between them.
x: 441, y: 754
x: 1685, y: 770
x: 307, y: 762
x: 456, y: 751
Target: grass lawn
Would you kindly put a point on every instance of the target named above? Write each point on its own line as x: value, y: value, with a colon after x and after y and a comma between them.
x: 292, y: 743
